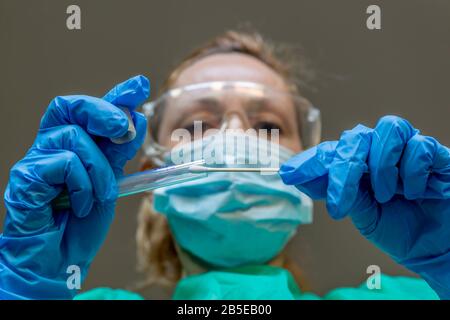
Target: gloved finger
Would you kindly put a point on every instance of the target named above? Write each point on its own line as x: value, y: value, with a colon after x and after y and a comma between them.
x: 347, y: 169
x: 97, y: 116
x: 130, y: 93
x: 36, y: 180
x: 62, y: 167
x: 415, y: 166
x: 390, y: 137
x: 308, y: 170
x: 365, y: 213
x: 119, y: 154
x: 421, y: 169
x: 75, y: 139
x: 439, y: 181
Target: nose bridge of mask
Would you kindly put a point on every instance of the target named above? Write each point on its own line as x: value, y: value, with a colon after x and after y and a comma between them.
x: 230, y: 148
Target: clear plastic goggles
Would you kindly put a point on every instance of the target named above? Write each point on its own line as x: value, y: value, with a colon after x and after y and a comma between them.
x: 227, y: 105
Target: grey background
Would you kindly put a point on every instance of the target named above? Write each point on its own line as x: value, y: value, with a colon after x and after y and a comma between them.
x: 402, y: 69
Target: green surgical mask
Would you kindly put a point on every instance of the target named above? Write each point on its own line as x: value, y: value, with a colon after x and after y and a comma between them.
x: 230, y: 220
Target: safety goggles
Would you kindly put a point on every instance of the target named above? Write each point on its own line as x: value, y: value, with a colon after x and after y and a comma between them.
x: 210, y: 106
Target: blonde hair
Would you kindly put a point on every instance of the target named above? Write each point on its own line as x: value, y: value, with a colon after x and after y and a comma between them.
x: 156, y: 251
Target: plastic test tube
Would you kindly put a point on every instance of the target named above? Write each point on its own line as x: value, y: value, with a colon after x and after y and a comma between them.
x: 145, y: 181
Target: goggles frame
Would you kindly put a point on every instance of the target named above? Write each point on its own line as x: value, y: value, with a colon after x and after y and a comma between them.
x: 309, y: 116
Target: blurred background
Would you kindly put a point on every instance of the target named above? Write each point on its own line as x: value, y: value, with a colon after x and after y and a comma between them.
x: 361, y: 75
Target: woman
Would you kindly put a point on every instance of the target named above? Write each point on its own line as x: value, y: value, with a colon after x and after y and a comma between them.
x: 223, y: 236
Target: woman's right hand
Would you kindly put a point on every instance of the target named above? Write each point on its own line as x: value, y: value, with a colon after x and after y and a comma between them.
x: 72, y: 150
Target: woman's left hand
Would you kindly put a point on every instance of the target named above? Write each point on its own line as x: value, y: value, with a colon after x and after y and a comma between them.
x: 394, y: 183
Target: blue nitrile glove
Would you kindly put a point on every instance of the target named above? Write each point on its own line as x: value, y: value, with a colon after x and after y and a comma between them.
x: 72, y: 150
x: 394, y: 184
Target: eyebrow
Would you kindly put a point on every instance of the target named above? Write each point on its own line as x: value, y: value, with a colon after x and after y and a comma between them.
x: 214, y: 105
x: 252, y: 105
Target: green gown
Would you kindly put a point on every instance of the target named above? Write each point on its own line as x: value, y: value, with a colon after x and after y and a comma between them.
x: 271, y: 283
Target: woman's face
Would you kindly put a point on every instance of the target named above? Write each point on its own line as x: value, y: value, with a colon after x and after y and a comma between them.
x: 237, y: 67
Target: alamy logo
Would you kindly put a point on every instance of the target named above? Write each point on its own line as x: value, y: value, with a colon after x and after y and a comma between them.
x: 373, y: 22
x: 74, y: 279
x: 73, y: 21
x: 374, y: 280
